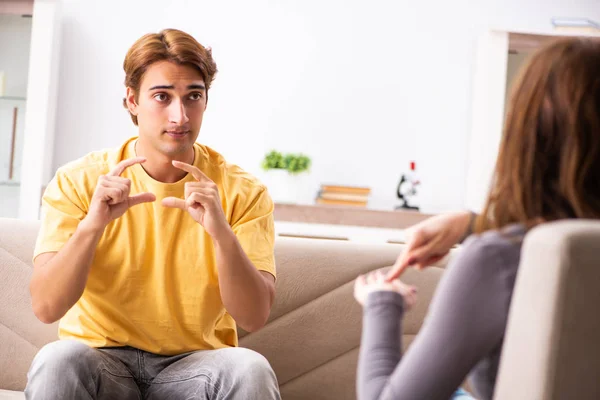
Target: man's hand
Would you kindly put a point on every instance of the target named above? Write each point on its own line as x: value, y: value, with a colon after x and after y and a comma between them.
x: 429, y: 241
x: 201, y: 201
x: 111, y: 197
x: 376, y: 281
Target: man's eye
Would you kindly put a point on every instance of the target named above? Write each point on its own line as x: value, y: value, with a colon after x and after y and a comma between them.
x: 195, y: 96
x: 160, y: 97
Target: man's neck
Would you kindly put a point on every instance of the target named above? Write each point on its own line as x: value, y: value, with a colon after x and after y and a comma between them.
x: 159, y: 166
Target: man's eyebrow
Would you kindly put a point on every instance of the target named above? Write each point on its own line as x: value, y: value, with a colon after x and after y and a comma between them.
x: 162, y: 87
x: 197, y: 86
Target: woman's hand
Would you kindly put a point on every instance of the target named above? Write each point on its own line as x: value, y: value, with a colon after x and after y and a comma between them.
x: 429, y: 241
x: 376, y: 281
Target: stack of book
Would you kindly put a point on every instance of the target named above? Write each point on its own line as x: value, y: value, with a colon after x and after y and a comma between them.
x: 344, y: 195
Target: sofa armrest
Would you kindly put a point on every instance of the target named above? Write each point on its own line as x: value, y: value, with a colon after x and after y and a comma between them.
x: 551, y: 346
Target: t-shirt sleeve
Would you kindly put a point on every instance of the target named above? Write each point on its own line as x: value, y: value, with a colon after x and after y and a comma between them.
x: 62, y: 210
x: 255, y: 230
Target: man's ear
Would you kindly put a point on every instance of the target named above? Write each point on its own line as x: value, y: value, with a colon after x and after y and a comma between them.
x: 130, y: 101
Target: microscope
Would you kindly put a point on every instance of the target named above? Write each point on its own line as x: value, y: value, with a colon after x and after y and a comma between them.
x: 407, y: 188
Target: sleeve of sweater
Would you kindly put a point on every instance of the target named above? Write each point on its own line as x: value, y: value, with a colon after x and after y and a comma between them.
x: 466, y: 321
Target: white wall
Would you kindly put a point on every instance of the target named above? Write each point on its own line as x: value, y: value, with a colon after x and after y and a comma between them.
x: 362, y: 87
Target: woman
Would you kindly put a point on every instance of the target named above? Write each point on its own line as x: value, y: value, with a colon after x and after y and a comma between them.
x: 548, y: 168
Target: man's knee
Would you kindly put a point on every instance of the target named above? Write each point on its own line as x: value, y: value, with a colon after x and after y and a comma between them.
x: 67, y: 369
x: 249, y: 363
x: 254, y: 374
x: 63, y: 355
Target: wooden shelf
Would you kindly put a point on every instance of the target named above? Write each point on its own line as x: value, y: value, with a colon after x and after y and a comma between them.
x: 18, y: 7
x: 10, y: 183
x: 13, y: 98
x: 354, y: 216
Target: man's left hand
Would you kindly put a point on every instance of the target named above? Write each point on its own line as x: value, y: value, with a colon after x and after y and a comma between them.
x: 201, y: 201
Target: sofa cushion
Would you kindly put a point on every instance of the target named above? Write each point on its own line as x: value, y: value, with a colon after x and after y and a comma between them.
x: 11, y: 395
x: 312, y: 335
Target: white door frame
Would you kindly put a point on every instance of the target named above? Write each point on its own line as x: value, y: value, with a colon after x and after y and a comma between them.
x: 38, y: 146
x: 488, y: 102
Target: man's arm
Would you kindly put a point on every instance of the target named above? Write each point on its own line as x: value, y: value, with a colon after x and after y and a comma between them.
x: 59, y: 278
x: 247, y: 293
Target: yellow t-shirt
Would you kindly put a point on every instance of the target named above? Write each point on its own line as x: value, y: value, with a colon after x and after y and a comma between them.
x: 153, y: 283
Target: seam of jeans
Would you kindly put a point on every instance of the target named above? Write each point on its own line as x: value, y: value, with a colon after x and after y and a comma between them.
x: 206, y: 374
x: 140, y: 368
x: 93, y: 379
x: 144, y: 377
x: 103, y: 368
x: 124, y: 354
x: 216, y: 387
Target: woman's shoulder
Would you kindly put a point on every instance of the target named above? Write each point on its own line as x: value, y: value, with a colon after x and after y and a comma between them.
x: 491, y: 249
x: 505, y: 239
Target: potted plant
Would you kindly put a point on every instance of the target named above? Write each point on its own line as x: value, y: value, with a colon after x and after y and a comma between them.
x: 292, y: 163
x: 282, y: 177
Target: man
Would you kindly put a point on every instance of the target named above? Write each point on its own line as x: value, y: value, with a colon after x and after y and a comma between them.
x: 151, y: 253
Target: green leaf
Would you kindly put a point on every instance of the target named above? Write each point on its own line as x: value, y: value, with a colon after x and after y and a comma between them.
x: 293, y: 163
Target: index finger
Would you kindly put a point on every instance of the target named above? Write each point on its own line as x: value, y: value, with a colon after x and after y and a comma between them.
x: 398, y: 268
x: 196, y: 173
x: 403, y: 261
x: 118, y: 170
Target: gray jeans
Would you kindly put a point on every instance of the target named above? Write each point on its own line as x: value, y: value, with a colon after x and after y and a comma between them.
x: 68, y: 369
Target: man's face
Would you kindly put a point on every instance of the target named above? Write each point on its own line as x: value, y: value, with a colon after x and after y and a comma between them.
x: 169, y: 107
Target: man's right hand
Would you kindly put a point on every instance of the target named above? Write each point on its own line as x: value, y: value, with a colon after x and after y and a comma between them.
x: 111, y: 198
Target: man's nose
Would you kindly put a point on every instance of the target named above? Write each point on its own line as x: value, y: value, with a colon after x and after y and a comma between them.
x: 178, y: 113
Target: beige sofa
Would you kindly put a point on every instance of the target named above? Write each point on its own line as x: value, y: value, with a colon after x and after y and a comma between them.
x: 313, y: 333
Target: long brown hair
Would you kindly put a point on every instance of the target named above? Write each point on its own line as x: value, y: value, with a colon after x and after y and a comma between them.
x: 548, y: 166
x: 170, y: 45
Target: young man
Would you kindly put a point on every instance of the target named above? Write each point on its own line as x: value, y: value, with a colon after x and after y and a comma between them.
x: 150, y: 254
